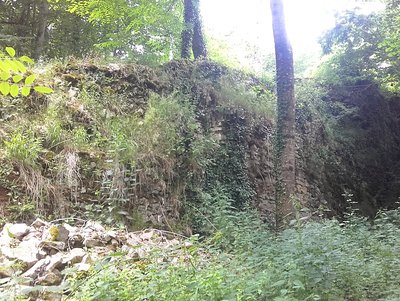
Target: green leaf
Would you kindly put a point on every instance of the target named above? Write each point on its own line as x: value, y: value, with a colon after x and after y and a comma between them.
x: 14, y: 90
x: 20, y: 67
x: 4, y: 88
x: 10, y: 51
x: 25, y: 91
x: 5, y: 75
x: 6, y: 65
x: 43, y: 90
x: 278, y: 283
x: 26, y: 59
x: 17, y: 78
x: 9, y: 233
x: 30, y: 79
x: 297, y: 284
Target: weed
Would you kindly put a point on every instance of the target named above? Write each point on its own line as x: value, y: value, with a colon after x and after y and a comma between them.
x: 253, y: 99
x: 23, y: 147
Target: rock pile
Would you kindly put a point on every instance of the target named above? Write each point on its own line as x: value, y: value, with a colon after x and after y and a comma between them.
x: 33, y: 257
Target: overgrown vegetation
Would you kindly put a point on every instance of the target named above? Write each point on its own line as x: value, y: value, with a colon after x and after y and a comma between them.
x: 354, y: 259
x: 114, y: 147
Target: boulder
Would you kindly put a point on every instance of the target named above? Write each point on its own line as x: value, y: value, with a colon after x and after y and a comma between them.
x: 37, y: 269
x: 83, y: 267
x: 55, y: 233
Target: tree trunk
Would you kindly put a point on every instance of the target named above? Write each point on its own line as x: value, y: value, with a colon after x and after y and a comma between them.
x: 41, y: 29
x: 187, y: 33
x: 285, y: 135
x: 199, y: 45
x: 192, y: 35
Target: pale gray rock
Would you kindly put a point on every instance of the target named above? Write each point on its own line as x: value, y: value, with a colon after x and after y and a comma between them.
x: 5, y: 237
x: 147, y: 235
x: 70, y: 228
x: 133, y: 240
x: 39, y: 223
x: 18, y: 230
x: 45, y: 265
x: 74, y: 256
x: 9, y: 267
x: 50, y: 278
x: 91, y: 242
x: 38, y: 269
x: 110, y: 235
x: 27, y: 252
x: 55, y: 262
x: 49, y: 245
x: 33, y: 233
x: 83, y: 267
x: 95, y: 226
x: 63, y: 234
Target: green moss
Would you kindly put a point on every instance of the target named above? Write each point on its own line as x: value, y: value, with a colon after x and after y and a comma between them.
x: 53, y: 231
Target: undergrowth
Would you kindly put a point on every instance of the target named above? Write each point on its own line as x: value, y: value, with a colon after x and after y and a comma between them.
x: 241, y: 260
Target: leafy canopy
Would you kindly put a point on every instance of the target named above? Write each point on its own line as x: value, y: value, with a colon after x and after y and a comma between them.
x: 138, y: 27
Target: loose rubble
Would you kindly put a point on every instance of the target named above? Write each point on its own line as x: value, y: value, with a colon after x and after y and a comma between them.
x: 34, y: 258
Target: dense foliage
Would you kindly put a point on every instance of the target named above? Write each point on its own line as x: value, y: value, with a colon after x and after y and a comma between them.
x: 145, y: 30
x: 363, y: 47
x: 241, y: 260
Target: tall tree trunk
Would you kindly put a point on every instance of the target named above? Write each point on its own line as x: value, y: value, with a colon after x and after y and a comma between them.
x: 285, y: 135
x: 41, y: 29
x: 192, y: 34
x: 199, y: 45
x: 187, y: 33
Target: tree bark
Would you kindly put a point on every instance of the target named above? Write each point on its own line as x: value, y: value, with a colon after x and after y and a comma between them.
x: 41, y: 29
x: 192, y: 34
x: 187, y: 33
x: 285, y: 135
x: 199, y: 45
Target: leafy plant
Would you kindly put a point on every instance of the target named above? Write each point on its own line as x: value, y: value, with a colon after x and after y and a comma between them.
x: 15, y: 78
